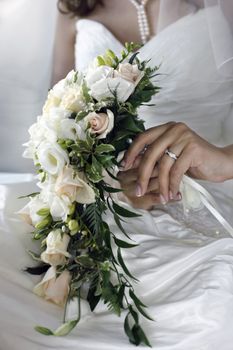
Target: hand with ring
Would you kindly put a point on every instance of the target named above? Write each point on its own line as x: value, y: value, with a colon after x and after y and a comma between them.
x: 175, y: 149
x: 128, y: 182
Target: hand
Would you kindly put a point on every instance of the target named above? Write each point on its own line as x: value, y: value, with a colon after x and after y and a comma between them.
x: 195, y: 155
x: 128, y: 182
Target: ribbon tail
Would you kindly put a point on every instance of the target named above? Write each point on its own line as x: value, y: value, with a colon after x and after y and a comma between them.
x: 209, y: 202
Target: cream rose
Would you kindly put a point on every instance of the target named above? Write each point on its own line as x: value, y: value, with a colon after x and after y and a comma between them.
x: 74, y: 186
x: 73, y: 99
x: 100, y: 123
x: 56, y: 251
x: 129, y: 72
x: 52, y: 288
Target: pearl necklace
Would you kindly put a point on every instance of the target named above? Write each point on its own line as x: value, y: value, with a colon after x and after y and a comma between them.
x: 143, y: 22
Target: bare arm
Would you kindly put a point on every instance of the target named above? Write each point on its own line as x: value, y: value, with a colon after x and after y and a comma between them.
x: 63, y: 55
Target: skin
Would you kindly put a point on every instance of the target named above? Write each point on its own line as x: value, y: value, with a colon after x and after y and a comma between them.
x: 196, y: 157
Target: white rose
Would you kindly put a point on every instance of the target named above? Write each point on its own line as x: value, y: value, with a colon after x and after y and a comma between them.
x: 37, y: 135
x: 74, y: 78
x: 103, y: 81
x: 96, y: 74
x: 74, y: 186
x: 72, y: 99
x: 53, y: 288
x: 52, y: 125
x: 46, y: 128
x: 69, y: 129
x: 129, y: 72
x: 29, y: 212
x: 51, y: 102
x: 47, y: 185
x: 56, y: 251
x: 100, y: 123
x: 52, y: 157
x: 59, y: 89
x: 59, y: 206
x: 105, y: 88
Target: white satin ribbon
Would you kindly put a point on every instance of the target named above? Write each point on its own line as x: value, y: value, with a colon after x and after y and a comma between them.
x: 208, y: 201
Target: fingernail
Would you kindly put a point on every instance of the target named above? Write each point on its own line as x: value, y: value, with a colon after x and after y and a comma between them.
x: 123, y: 164
x: 162, y: 199
x: 171, y: 195
x: 138, y: 191
x: 178, y: 196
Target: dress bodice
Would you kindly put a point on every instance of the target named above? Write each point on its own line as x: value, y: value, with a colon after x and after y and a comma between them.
x: 192, y: 89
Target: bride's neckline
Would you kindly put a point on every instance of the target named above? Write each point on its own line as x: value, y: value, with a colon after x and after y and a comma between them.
x: 113, y: 37
x: 101, y: 25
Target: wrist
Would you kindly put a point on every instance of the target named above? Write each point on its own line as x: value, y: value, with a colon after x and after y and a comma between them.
x: 228, y: 168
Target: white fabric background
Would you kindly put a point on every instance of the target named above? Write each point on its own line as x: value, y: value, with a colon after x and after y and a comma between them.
x: 26, y: 42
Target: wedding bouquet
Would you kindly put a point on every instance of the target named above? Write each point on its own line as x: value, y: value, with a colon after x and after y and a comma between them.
x: 87, y: 122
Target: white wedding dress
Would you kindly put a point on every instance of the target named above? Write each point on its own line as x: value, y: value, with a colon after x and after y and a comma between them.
x: 185, y: 268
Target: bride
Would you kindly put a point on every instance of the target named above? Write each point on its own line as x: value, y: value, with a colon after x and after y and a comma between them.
x: 184, y: 264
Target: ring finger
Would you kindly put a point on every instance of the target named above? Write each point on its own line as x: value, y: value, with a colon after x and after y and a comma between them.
x: 165, y: 164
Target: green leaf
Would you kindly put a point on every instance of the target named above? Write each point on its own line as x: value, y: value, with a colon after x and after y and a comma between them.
x: 130, y: 124
x: 136, y: 334
x: 143, y: 337
x: 123, y: 244
x: 128, y: 330
x: 124, y: 267
x: 29, y: 195
x: 85, y: 92
x: 132, y: 58
x: 65, y: 328
x: 124, y: 212
x: 34, y: 256
x: 111, y: 175
x: 92, y: 298
x: 134, y: 314
x: 94, y: 170
x: 104, y: 148
x: 85, y: 261
x: 135, y: 299
x: 119, y: 224
x: 92, y: 216
x: 107, y: 238
x: 43, y: 330
x: 140, y: 309
x: 121, y: 294
x: 112, y: 189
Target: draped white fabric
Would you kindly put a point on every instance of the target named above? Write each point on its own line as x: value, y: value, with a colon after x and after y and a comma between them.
x: 185, y: 267
x: 26, y: 41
